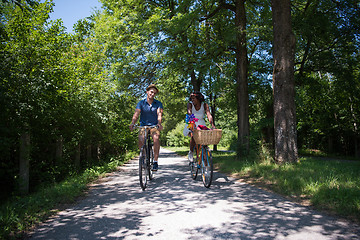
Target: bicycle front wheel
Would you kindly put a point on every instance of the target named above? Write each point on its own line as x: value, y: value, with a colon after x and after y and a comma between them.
x: 143, y: 169
x: 151, y: 163
x: 206, y: 166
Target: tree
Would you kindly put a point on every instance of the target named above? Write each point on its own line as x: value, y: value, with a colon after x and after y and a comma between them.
x: 326, y: 79
x: 241, y: 78
x: 57, y: 99
x: 283, y: 83
x: 31, y: 52
x: 203, y: 58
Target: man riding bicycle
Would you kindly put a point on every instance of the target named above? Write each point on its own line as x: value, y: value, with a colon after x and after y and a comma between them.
x: 150, y: 111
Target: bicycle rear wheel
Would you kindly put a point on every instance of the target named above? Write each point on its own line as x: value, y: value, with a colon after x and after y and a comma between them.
x: 143, y: 169
x: 206, y: 166
x: 151, y: 163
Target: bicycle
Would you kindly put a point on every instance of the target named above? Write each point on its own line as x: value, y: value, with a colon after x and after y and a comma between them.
x: 146, y: 158
x: 204, y: 160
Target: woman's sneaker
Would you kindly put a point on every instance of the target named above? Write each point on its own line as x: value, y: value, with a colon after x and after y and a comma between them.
x: 155, y: 166
x: 191, y: 156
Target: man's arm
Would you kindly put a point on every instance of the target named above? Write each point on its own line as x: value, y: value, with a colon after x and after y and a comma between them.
x: 159, y: 114
x: 134, y: 118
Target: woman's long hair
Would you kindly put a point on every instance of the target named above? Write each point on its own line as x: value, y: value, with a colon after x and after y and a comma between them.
x: 198, y: 95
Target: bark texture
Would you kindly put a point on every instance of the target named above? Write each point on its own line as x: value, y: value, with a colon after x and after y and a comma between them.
x: 283, y: 83
x: 241, y: 79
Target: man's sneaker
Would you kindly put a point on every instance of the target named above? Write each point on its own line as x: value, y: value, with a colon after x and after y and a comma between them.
x: 191, y: 156
x: 155, y: 166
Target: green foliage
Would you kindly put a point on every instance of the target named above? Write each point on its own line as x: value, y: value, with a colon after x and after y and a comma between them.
x: 173, y: 96
x: 80, y: 90
x: 332, y: 185
x: 176, y: 138
x: 20, y: 214
x: 57, y: 87
x: 228, y: 139
x: 328, y: 81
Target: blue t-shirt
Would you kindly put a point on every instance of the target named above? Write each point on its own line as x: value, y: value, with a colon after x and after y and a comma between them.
x: 148, y: 114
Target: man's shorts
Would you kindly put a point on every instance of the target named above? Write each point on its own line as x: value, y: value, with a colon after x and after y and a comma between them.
x: 153, y: 131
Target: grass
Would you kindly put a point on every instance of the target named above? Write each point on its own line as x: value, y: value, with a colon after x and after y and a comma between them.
x: 20, y: 214
x: 327, y: 184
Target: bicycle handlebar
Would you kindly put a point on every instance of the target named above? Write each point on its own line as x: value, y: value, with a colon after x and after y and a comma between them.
x: 146, y: 127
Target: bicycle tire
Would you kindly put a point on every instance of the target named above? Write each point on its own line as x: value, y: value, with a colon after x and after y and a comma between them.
x: 206, y: 166
x: 193, y: 170
x: 193, y: 165
x: 151, y: 163
x: 143, y: 168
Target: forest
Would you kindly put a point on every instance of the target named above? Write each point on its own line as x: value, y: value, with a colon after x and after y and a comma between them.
x: 67, y: 98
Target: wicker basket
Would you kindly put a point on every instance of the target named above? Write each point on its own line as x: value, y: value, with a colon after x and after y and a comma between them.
x: 207, y: 137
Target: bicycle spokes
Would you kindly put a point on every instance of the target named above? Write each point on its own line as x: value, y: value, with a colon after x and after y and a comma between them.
x: 150, y: 163
x: 143, y: 168
x: 206, y: 167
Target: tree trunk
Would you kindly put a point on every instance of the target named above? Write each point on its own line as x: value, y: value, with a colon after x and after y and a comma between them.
x: 88, y: 152
x: 330, y: 144
x: 357, y: 147
x: 98, y: 151
x: 213, y: 112
x: 24, y: 163
x: 195, y: 82
x: 241, y: 79
x: 283, y: 83
x: 77, y: 156
x: 355, y: 129
x: 59, y: 149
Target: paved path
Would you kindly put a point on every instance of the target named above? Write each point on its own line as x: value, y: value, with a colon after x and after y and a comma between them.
x: 176, y: 207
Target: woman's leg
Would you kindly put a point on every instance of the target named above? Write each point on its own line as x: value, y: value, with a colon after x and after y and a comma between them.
x: 192, y: 144
x: 191, y: 153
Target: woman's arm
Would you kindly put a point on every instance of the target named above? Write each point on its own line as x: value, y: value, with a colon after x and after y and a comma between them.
x: 189, y: 108
x: 208, y: 114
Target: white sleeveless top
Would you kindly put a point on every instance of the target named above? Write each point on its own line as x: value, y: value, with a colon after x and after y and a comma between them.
x: 199, y: 114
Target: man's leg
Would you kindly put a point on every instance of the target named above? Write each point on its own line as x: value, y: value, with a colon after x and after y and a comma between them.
x: 141, y: 139
x: 156, y: 139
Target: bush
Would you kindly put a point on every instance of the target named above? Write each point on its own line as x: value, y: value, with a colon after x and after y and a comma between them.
x: 175, y: 137
x: 229, y: 139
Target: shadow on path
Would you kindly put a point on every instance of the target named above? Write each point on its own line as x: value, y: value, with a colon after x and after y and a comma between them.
x: 176, y: 207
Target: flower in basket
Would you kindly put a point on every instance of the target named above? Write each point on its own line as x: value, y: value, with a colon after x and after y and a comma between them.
x: 190, y: 118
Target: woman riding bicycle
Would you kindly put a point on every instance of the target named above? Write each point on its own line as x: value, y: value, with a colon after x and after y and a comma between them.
x: 198, y: 107
x: 150, y: 111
